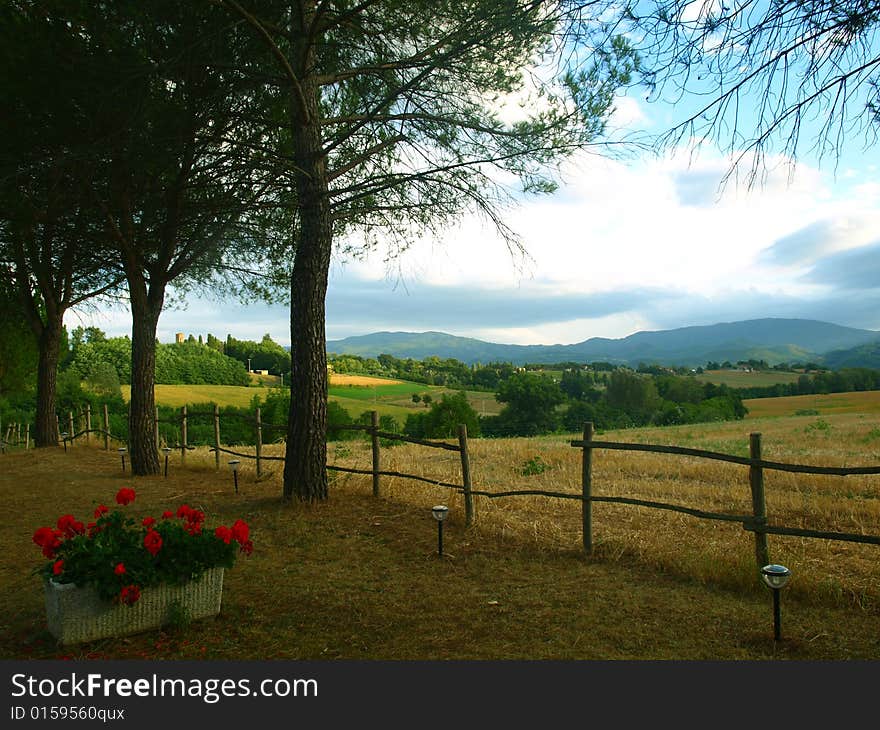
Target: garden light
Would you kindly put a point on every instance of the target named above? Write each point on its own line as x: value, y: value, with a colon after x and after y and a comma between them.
x: 167, y: 450
x: 440, y: 511
x: 122, y: 454
x: 235, y: 464
x: 776, y: 577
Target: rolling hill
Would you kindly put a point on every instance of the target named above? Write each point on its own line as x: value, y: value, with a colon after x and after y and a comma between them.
x: 774, y: 340
x: 861, y: 356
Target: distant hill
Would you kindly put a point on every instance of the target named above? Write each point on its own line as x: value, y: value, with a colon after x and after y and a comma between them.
x: 861, y: 356
x: 773, y: 340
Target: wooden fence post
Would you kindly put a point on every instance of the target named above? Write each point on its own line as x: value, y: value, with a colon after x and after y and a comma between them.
x: 587, y: 487
x: 156, y: 425
x: 106, y: 429
x: 88, y: 422
x: 18, y: 434
x: 70, y: 430
x: 374, y: 436
x: 216, y: 437
x: 466, y: 475
x: 759, y: 508
x: 27, y: 436
x: 259, y: 441
x: 183, y: 436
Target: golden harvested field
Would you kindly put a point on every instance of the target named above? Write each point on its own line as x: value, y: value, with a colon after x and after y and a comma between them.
x: 362, y: 380
x: 857, y: 402
x: 223, y: 395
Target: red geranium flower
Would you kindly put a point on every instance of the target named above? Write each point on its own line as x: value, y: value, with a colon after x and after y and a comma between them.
x: 58, y: 567
x: 100, y: 510
x: 130, y: 594
x: 240, y: 531
x: 167, y: 514
x: 70, y: 526
x: 44, y: 535
x: 119, y: 569
x: 48, y: 539
x: 125, y: 496
x: 184, y: 510
x: 224, y: 533
x: 153, y: 542
x: 195, y: 516
x: 149, y: 521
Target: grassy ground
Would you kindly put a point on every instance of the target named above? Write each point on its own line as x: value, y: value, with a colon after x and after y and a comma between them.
x: 359, y: 577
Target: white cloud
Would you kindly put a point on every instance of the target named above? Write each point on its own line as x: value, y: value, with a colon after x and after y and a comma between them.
x: 645, y: 244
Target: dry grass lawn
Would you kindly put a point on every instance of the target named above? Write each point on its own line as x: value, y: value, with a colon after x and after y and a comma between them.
x: 359, y: 578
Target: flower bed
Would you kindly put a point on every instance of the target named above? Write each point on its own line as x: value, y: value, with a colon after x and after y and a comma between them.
x: 116, y: 575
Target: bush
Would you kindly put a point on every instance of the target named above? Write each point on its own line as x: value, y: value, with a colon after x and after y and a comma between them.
x: 443, y: 418
x: 533, y: 466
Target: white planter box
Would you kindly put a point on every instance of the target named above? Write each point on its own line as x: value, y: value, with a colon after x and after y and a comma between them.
x: 76, y: 614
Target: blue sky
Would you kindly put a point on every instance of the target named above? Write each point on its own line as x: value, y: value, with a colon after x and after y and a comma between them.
x: 642, y: 243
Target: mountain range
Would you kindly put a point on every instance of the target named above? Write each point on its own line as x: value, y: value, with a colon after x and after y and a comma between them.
x: 772, y: 339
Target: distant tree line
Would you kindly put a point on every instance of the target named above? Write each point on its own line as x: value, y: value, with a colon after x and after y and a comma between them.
x: 537, y: 399
x: 846, y: 380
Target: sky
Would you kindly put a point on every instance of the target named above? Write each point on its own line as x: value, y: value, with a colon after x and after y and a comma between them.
x: 643, y: 242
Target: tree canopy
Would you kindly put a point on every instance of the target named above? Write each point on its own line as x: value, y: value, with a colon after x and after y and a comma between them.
x: 789, y: 76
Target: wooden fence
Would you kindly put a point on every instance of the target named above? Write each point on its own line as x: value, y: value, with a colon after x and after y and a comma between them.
x: 15, y: 434
x: 376, y: 472
x: 756, y: 522
x: 373, y: 430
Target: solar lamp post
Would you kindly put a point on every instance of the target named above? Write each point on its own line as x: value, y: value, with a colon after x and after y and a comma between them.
x: 776, y: 577
x: 440, y: 511
x: 234, y: 464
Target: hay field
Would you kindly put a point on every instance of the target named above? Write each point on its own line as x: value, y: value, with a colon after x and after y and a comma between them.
x: 367, y: 381
x: 716, y: 553
x: 855, y: 403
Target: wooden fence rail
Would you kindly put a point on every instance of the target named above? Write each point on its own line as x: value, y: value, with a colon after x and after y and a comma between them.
x: 373, y: 430
x: 756, y: 522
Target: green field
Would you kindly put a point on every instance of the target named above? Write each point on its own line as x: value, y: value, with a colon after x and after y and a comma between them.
x: 388, y: 398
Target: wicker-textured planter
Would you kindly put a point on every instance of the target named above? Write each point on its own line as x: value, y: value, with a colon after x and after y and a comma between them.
x: 76, y: 614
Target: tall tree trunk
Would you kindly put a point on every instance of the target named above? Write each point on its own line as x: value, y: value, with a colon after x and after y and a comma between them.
x: 305, y: 462
x: 145, y: 311
x: 46, y: 427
